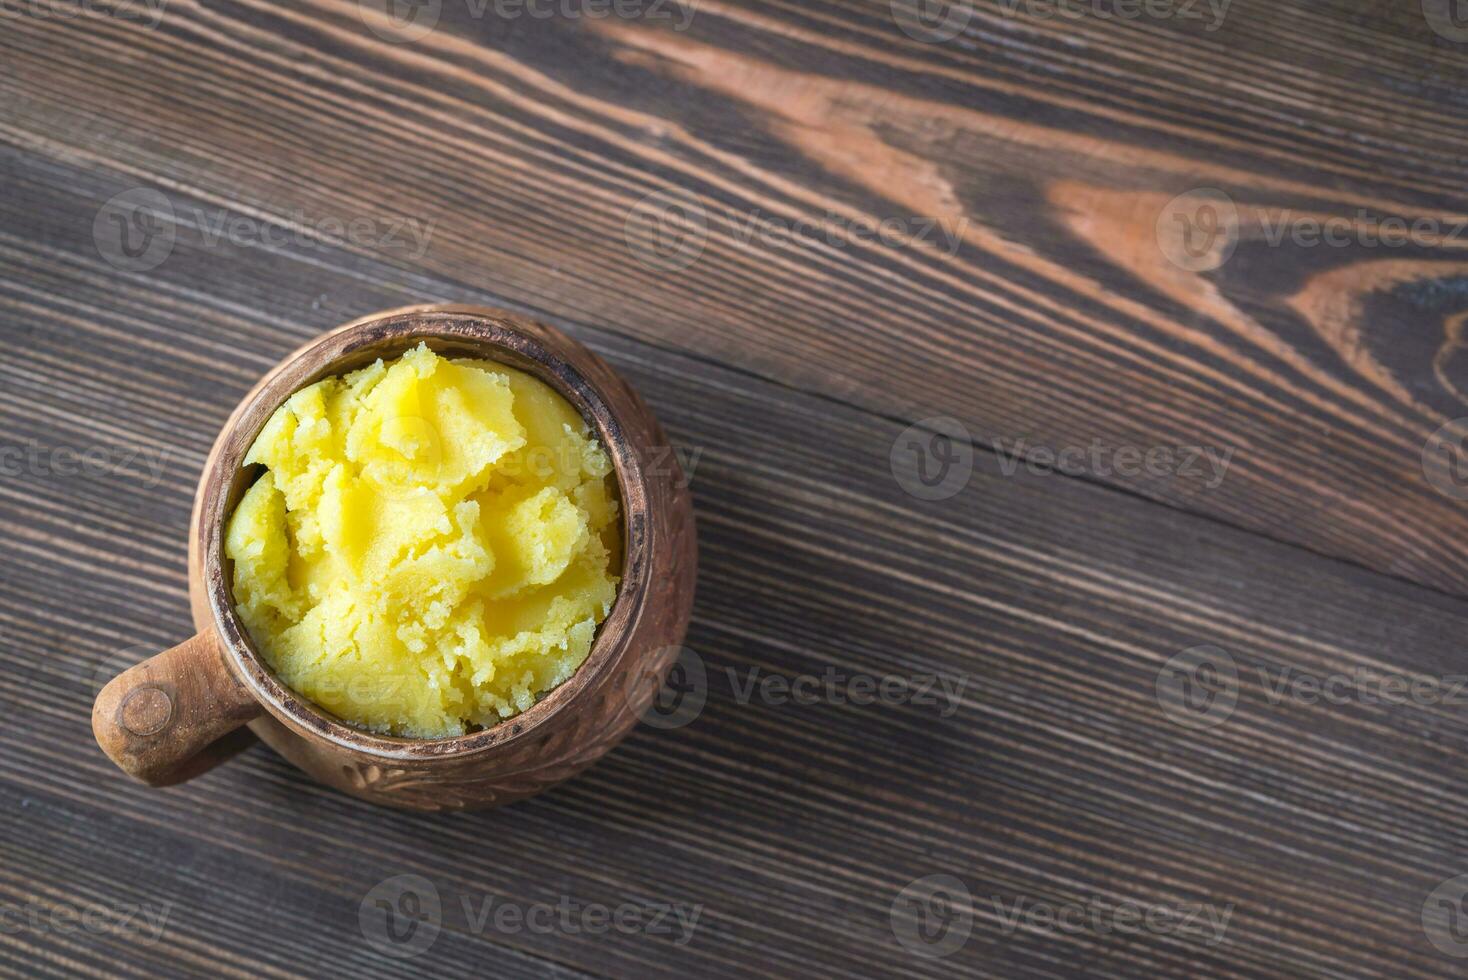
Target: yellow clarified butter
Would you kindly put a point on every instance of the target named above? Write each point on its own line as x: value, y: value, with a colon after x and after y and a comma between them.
x: 431, y: 547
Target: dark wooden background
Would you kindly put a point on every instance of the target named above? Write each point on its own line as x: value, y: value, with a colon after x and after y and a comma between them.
x: 1053, y: 143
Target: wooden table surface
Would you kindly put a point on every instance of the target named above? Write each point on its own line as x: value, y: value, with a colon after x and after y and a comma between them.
x: 1161, y: 599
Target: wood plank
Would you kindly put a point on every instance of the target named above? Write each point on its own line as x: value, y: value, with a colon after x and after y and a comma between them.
x: 1059, y: 779
x: 178, y: 906
x: 1049, y: 146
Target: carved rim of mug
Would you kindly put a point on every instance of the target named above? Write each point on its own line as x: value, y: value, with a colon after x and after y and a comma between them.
x: 461, y: 331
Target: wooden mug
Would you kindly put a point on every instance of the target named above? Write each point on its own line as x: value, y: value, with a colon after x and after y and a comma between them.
x: 181, y: 712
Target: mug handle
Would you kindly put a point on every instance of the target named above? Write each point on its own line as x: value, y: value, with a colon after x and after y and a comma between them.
x: 174, y: 716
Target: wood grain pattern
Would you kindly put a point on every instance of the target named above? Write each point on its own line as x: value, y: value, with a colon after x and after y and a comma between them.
x: 1058, y: 778
x: 1047, y: 147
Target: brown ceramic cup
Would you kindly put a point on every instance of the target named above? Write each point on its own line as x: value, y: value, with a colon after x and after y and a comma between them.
x: 179, y: 713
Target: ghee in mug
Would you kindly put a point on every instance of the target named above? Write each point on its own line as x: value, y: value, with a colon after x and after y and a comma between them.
x: 431, y: 546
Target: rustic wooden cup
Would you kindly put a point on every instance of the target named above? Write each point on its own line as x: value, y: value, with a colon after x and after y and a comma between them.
x: 177, y: 714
